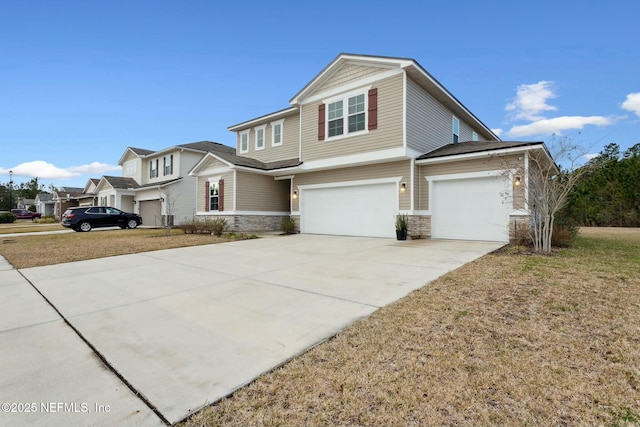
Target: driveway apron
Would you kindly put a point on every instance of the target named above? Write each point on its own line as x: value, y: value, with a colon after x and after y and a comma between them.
x: 186, y: 327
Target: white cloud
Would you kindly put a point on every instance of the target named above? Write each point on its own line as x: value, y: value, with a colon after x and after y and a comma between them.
x: 45, y: 170
x: 531, y: 100
x: 632, y: 103
x: 497, y: 131
x: 559, y: 124
x: 590, y: 156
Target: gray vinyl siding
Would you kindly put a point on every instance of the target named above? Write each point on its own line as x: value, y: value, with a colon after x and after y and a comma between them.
x: 261, y: 193
x: 429, y: 123
x: 347, y: 74
x: 290, y: 142
x: 375, y: 171
x: 387, y: 135
x: 469, y: 166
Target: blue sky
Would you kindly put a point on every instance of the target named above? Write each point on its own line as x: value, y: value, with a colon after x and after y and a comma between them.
x: 82, y: 80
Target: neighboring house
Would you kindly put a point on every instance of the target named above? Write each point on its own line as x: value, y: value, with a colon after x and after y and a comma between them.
x: 369, y: 137
x: 157, y: 184
x: 44, y: 204
x: 65, y: 198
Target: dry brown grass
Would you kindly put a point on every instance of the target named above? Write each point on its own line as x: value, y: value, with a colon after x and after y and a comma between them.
x: 23, y: 226
x: 36, y: 250
x: 506, y: 340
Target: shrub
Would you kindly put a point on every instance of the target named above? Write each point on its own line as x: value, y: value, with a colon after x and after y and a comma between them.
x: 288, y: 225
x: 49, y: 219
x: 7, y: 218
x: 564, y: 232
x: 521, y: 234
x: 215, y: 226
x: 218, y: 226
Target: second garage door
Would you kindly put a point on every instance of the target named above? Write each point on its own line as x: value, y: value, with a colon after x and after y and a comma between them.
x: 354, y: 210
x: 150, y: 212
x: 471, y: 209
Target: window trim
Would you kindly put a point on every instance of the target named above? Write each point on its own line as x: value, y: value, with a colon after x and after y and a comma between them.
x: 167, y: 165
x: 455, y: 123
x: 153, y: 175
x: 474, y: 136
x: 344, y: 97
x: 247, y: 134
x: 257, y: 130
x: 213, y: 183
x: 273, y: 132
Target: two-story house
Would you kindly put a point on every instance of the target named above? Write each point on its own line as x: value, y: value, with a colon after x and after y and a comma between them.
x: 155, y: 184
x: 369, y: 137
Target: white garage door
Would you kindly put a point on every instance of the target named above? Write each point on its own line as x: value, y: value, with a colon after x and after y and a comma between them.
x: 362, y: 210
x: 471, y: 209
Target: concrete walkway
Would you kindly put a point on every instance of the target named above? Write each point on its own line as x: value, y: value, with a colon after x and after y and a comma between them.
x: 186, y: 327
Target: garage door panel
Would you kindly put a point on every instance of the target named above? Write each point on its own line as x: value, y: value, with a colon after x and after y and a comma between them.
x: 150, y: 212
x: 471, y: 209
x: 362, y: 210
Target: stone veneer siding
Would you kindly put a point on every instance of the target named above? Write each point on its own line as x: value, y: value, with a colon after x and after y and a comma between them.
x: 247, y: 223
x: 419, y: 227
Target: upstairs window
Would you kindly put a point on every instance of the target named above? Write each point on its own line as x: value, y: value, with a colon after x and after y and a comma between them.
x: 276, y: 133
x: 334, y: 119
x: 244, y: 142
x: 168, y: 165
x: 153, y: 168
x: 456, y: 130
x: 353, y: 113
x: 260, y: 137
x: 474, y: 136
x: 356, y: 113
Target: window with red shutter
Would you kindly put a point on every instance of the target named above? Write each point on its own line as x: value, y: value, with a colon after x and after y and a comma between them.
x: 321, y: 122
x: 373, y: 109
x: 206, y: 196
x: 221, y: 195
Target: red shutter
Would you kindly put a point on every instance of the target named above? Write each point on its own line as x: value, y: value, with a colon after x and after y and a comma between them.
x: 321, y: 122
x: 221, y: 195
x: 373, y: 109
x: 206, y: 196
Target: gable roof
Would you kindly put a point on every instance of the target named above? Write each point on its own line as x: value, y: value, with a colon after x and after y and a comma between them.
x: 469, y: 147
x: 413, y: 70
x: 231, y: 159
x: 44, y: 197
x: 120, y: 182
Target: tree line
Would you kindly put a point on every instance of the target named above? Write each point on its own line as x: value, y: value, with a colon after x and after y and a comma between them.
x: 608, y: 192
x: 10, y: 192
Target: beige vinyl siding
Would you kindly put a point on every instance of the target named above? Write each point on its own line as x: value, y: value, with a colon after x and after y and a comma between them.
x: 261, y: 193
x: 214, y: 164
x: 375, y: 171
x: 347, y: 74
x: 202, y: 197
x: 387, y: 135
x: 429, y: 123
x: 290, y: 142
x: 469, y: 166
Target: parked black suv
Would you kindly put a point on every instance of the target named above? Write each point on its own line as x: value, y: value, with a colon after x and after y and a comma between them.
x: 84, y: 219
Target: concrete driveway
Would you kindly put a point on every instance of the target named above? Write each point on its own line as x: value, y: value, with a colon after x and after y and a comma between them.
x: 186, y: 327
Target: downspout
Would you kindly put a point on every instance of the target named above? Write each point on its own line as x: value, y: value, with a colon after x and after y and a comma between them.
x: 526, y: 181
x: 413, y: 170
x: 300, y: 133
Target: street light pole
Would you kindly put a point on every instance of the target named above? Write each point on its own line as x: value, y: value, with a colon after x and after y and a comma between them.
x: 10, y: 189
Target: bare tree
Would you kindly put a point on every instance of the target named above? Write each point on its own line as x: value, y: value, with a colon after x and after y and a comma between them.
x: 550, y: 177
x: 169, y: 198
